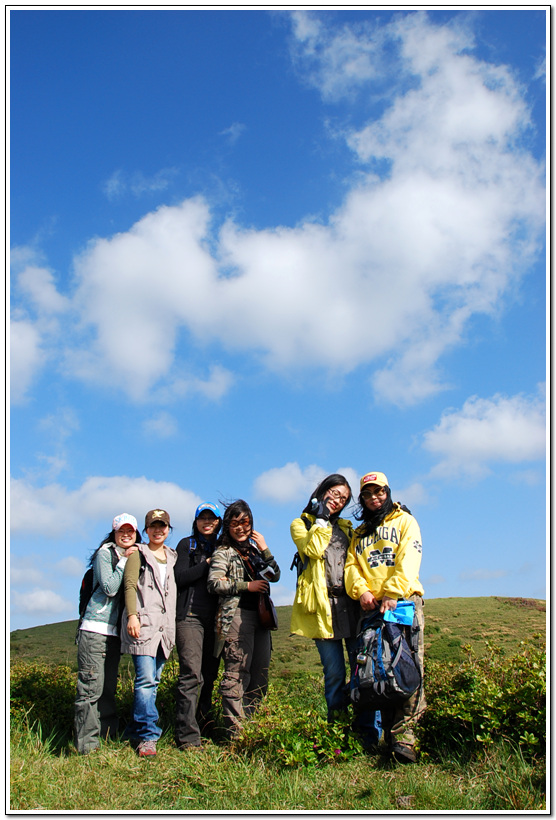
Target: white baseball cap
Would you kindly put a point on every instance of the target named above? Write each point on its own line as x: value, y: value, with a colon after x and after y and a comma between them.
x: 124, y: 518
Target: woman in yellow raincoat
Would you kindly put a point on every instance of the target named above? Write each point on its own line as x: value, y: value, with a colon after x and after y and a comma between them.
x: 322, y: 609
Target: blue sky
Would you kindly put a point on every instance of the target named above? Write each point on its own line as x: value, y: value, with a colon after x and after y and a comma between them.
x: 251, y: 248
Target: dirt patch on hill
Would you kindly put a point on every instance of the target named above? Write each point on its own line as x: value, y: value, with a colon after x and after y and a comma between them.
x: 530, y: 603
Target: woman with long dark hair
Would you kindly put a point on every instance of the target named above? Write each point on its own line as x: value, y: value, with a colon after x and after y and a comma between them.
x: 98, y: 641
x: 382, y: 568
x: 240, y: 571
x: 322, y: 610
x: 195, y: 614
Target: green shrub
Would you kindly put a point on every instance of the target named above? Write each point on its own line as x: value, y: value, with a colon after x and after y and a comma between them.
x: 43, y: 695
x: 472, y: 704
x: 291, y: 730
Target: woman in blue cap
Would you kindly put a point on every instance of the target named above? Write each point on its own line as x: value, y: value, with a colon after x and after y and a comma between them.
x: 195, y: 616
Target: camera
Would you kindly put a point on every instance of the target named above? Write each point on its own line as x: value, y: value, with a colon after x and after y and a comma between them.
x: 267, y: 573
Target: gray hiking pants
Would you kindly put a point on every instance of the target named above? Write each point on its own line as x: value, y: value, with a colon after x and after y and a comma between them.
x: 198, y: 671
x: 98, y: 657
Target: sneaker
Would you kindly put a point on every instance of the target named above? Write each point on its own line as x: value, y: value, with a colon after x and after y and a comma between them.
x: 404, y: 753
x: 147, y: 748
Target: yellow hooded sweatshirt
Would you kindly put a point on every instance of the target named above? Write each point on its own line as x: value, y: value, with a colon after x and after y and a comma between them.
x: 311, y: 615
x: 386, y: 562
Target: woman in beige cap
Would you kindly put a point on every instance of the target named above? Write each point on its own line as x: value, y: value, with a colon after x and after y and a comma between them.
x: 382, y: 567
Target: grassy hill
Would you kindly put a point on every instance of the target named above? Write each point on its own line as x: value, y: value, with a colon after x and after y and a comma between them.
x: 450, y: 624
x: 482, y: 736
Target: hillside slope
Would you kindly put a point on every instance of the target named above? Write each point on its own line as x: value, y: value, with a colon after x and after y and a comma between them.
x: 450, y: 624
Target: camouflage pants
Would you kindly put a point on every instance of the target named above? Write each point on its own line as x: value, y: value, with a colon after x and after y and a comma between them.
x: 398, y: 721
x: 246, y: 661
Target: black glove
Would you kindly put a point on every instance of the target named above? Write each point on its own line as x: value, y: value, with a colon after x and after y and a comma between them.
x: 320, y: 509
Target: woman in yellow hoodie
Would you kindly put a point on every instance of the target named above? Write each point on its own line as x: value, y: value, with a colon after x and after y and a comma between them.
x: 382, y: 567
x: 322, y: 610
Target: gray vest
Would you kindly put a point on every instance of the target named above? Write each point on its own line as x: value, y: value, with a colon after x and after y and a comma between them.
x: 156, y: 608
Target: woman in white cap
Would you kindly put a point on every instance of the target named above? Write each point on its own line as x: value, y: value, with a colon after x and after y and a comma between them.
x: 98, y: 641
x: 149, y: 625
x: 382, y: 567
x: 195, y: 615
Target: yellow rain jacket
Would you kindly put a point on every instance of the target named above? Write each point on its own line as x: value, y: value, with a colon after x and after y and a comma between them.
x: 388, y: 561
x: 311, y: 615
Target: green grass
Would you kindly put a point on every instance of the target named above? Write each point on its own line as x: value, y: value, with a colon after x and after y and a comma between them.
x: 269, y: 768
x: 218, y: 779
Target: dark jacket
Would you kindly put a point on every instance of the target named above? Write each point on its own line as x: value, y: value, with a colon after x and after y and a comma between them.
x: 191, y: 568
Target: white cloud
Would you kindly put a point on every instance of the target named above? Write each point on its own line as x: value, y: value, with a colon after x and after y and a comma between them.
x: 114, y: 186
x: 38, y: 284
x: 163, y: 425
x: 26, y: 357
x: 352, y: 479
x: 282, y: 596
x: 25, y: 575
x: 61, y: 424
x: 34, y: 326
x: 498, y: 430
x: 234, y: 132
x: 218, y: 383
x: 162, y: 272
x: 338, y: 60
x: 52, y: 510
x: 137, y: 183
x: 288, y: 483
x: 70, y: 566
x: 40, y: 601
x: 413, y: 495
x: 292, y: 483
x: 412, y: 254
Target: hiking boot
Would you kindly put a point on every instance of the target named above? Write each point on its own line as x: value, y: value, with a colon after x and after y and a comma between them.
x: 147, y: 748
x: 404, y: 753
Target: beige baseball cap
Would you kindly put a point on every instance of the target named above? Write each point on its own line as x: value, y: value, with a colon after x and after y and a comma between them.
x: 374, y: 478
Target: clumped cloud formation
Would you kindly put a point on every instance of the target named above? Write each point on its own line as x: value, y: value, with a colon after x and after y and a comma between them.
x: 501, y: 429
x: 442, y: 233
x: 35, y: 330
x: 41, y: 602
x: 293, y: 483
x: 138, y: 184
x: 56, y: 510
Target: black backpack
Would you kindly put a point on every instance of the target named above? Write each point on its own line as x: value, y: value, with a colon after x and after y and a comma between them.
x: 386, y: 671
x: 88, y: 587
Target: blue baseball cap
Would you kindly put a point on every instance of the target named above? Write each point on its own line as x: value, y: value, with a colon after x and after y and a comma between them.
x: 206, y: 505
